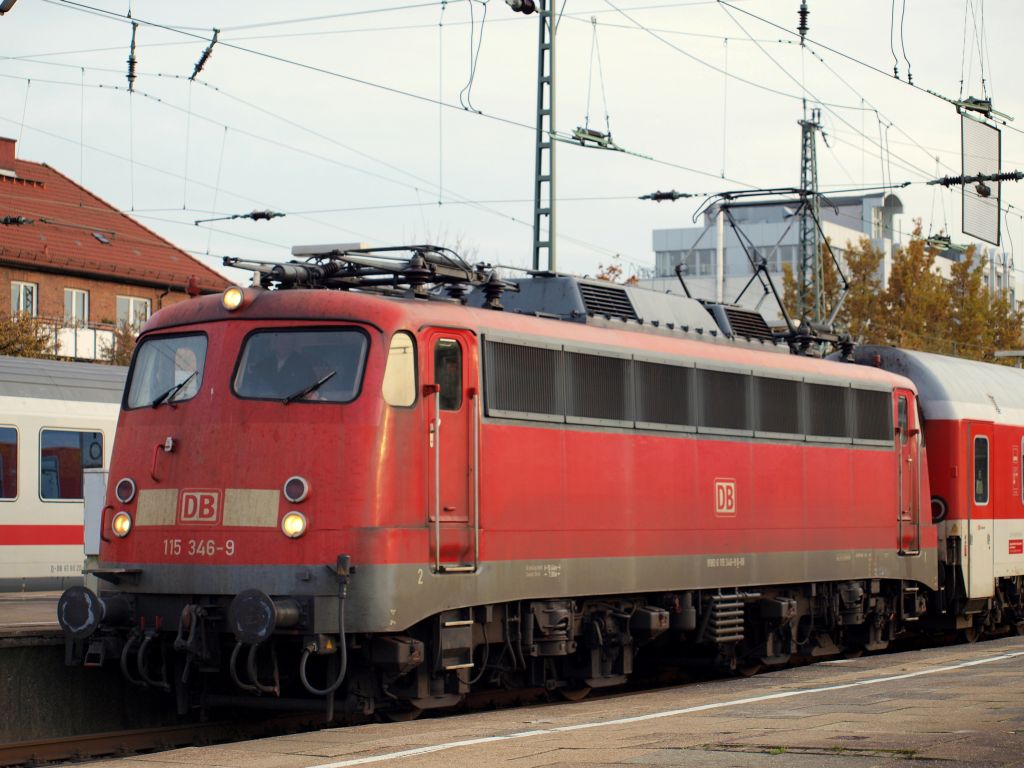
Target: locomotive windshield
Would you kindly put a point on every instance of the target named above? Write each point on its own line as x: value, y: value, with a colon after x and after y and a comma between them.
x: 308, y: 365
x: 168, y: 369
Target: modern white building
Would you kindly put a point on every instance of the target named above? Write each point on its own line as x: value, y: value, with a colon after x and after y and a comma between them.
x: 773, y: 228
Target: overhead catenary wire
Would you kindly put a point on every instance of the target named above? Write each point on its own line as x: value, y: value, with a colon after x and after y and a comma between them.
x: 476, y: 42
x: 389, y: 89
x: 731, y: 4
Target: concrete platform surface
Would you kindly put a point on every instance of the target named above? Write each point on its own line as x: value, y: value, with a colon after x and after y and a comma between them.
x: 23, y: 613
x: 957, y: 706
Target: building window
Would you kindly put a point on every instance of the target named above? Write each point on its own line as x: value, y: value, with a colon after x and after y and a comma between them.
x: 76, y: 306
x: 132, y: 311
x: 24, y: 298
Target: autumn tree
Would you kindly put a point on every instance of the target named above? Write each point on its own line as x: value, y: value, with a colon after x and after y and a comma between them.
x: 614, y: 273
x: 121, y: 347
x: 858, y: 314
x: 831, y: 291
x: 914, y: 311
x: 918, y: 308
x: 22, y: 335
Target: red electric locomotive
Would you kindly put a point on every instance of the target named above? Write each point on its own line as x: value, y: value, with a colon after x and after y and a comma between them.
x: 389, y: 481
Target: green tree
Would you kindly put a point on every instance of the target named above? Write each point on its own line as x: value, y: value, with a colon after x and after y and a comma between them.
x: 25, y: 336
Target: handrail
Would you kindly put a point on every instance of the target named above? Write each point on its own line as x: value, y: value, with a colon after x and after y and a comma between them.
x: 437, y: 480
x: 476, y: 480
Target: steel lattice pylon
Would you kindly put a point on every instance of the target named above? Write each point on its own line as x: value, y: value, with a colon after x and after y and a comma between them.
x: 810, y: 280
x: 544, y: 177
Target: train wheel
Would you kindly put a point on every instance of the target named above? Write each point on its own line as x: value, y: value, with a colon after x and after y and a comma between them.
x: 853, y: 653
x: 402, y: 713
x: 574, y: 693
x: 970, y: 635
x: 748, y: 670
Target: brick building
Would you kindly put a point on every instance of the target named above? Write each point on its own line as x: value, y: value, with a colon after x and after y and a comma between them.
x: 79, y: 264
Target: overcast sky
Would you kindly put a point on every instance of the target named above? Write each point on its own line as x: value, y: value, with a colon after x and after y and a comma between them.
x: 327, y: 111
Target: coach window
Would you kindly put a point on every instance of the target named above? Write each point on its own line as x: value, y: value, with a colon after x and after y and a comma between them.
x: 8, y: 463
x: 63, y: 455
x: 399, y: 387
x: 981, y: 470
x: 448, y: 373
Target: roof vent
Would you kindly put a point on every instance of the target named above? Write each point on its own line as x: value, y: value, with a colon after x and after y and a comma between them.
x: 749, y: 323
x: 609, y: 300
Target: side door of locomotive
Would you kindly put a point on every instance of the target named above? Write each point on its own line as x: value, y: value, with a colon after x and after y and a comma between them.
x: 981, y: 501
x: 908, y: 433
x: 452, y: 425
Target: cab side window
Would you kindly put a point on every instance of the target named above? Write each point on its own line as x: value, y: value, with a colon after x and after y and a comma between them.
x: 399, y: 386
x: 448, y: 373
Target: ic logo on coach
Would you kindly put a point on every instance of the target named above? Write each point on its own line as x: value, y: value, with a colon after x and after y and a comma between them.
x: 199, y: 508
x: 725, y: 497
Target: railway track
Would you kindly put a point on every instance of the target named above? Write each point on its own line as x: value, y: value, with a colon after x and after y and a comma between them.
x: 142, y: 740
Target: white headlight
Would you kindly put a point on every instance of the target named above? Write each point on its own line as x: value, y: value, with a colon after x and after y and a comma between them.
x: 121, y: 525
x: 293, y: 524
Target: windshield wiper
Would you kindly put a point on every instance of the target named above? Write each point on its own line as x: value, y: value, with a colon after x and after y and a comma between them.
x: 310, y: 389
x: 168, y: 396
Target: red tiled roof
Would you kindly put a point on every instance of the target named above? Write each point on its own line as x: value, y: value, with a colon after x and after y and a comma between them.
x: 69, y: 224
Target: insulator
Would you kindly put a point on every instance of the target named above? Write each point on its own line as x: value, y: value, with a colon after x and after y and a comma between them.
x: 132, y: 60
x: 803, y: 27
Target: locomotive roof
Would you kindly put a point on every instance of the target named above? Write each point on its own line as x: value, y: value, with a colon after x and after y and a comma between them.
x: 953, y: 388
x: 389, y: 314
x: 58, y: 380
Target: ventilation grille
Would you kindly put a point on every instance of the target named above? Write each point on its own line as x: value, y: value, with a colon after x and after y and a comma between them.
x: 747, y: 322
x: 607, y: 300
x: 778, y: 405
x: 826, y: 411
x: 523, y: 379
x: 873, y: 415
x: 725, y: 400
x: 663, y: 394
x: 599, y: 387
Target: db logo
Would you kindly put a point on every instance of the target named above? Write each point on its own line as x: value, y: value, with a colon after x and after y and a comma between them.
x: 725, y: 496
x: 199, y: 507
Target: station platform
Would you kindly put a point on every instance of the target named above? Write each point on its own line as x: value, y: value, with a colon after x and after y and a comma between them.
x: 935, y: 708
x: 24, y: 614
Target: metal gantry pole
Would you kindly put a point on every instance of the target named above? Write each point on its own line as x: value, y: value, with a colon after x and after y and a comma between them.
x: 544, y: 178
x: 810, y: 281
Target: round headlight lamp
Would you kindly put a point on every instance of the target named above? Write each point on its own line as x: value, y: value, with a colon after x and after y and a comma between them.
x: 232, y: 298
x: 125, y: 490
x: 121, y: 525
x: 293, y: 524
x: 296, y: 489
